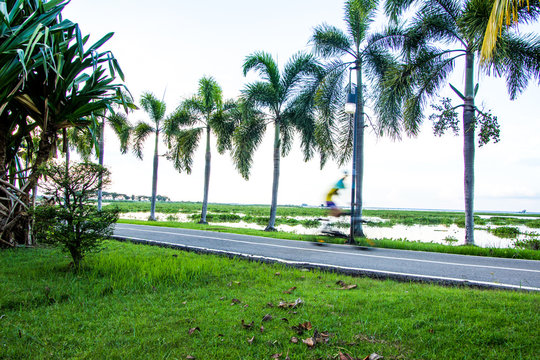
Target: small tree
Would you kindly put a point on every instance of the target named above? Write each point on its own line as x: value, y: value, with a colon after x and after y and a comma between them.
x: 73, y: 223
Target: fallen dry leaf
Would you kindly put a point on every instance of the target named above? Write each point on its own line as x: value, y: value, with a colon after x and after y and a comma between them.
x: 373, y: 356
x: 294, y: 340
x: 235, y: 301
x: 300, y: 328
x: 192, y: 330
x: 290, y: 290
x: 277, y: 274
x: 222, y: 298
x: 309, y: 342
x: 276, y: 356
x: 292, y: 305
x: 343, y: 356
x: 345, y: 286
x: 267, y: 317
x: 251, y: 340
x: 285, y: 319
x: 262, y: 328
x: 269, y: 304
x: 247, y: 326
x: 189, y: 357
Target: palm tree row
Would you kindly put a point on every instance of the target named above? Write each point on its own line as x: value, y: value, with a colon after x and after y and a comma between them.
x: 402, y: 68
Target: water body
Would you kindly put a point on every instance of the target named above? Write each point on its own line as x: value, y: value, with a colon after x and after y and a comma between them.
x: 422, y: 233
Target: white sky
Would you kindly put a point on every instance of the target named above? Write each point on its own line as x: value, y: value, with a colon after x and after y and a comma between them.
x: 170, y: 44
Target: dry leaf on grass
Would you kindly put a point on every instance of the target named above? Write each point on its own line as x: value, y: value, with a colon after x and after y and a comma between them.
x: 251, y: 340
x: 276, y: 356
x: 290, y: 305
x: 247, y: 326
x: 235, y: 301
x: 189, y: 357
x: 290, y: 290
x: 192, y: 330
x: 373, y: 356
x: 345, y: 286
x: 267, y: 317
x: 294, y: 340
x: 300, y: 328
x: 310, y: 342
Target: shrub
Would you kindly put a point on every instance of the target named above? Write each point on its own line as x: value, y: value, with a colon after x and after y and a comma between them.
x: 73, y: 223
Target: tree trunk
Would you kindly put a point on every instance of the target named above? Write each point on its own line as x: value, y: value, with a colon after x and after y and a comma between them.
x: 275, y: 182
x: 206, y: 178
x: 15, y: 226
x: 154, y: 180
x: 357, y: 229
x: 469, y: 148
x: 101, y: 162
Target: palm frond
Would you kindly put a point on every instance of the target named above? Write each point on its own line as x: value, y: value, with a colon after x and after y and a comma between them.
x: 247, y: 136
x: 121, y: 128
x: 210, y: 94
x: 260, y: 93
x: 265, y: 66
x: 183, y: 147
x: 518, y: 59
x: 140, y: 134
x: 359, y: 14
x: 155, y: 108
x: 298, y: 68
x: 329, y: 41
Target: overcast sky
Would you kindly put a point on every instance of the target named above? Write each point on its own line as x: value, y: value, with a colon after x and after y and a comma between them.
x: 166, y: 46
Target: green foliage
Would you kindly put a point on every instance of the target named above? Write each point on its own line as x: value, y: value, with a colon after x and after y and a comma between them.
x: 140, y: 302
x: 74, y: 224
x: 505, y: 232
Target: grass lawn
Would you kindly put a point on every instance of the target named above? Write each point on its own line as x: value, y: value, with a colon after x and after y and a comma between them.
x: 141, y: 302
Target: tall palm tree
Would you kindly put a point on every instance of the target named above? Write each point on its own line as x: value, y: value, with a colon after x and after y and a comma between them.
x: 442, y: 32
x: 504, y: 13
x: 287, y: 105
x: 203, y: 113
x: 84, y: 141
x: 155, y: 109
x: 351, y: 50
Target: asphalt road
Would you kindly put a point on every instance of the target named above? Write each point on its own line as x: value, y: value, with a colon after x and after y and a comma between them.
x: 372, y: 262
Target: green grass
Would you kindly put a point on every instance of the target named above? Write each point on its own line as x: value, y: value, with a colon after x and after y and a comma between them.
x: 139, y: 302
x: 383, y: 243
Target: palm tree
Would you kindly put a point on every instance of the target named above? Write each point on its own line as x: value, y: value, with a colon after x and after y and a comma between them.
x: 504, y: 13
x: 442, y: 32
x: 156, y: 111
x: 204, y: 113
x: 84, y: 141
x: 287, y: 102
x: 350, y: 50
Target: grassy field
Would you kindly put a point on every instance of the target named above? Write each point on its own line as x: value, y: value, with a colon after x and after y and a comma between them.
x: 141, y: 302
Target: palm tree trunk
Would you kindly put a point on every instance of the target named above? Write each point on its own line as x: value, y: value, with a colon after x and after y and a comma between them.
x: 275, y: 183
x: 101, y: 158
x: 154, y: 180
x: 358, y: 231
x: 468, y: 148
x: 206, y: 177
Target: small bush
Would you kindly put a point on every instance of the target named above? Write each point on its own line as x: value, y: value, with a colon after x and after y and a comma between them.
x: 505, y: 232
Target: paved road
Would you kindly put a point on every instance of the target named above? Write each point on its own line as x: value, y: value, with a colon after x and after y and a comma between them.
x: 373, y: 262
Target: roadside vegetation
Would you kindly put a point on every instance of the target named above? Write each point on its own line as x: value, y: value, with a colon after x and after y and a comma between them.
x: 142, y: 302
